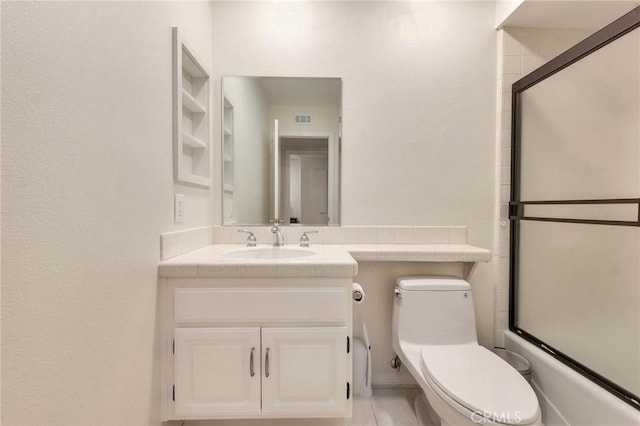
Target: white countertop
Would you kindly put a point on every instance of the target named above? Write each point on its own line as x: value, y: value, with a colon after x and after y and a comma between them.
x: 323, y: 261
x: 214, y: 261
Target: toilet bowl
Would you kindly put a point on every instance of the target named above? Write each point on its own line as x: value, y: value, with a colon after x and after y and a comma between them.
x: 435, y: 337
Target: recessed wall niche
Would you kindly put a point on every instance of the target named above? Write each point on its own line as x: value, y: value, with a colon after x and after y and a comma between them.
x: 191, y: 116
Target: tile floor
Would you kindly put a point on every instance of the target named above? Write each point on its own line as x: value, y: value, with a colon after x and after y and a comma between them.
x: 387, y: 407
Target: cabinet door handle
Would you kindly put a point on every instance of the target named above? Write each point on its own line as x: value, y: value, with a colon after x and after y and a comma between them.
x: 266, y: 363
x: 251, y: 369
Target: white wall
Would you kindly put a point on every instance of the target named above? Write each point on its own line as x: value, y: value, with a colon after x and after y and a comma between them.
x: 592, y: 14
x: 251, y: 149
x: 87, y: 189
x: 504, y: 8
x: 419, y: 91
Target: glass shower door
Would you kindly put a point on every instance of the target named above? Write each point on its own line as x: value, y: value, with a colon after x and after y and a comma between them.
x: 575, y: 209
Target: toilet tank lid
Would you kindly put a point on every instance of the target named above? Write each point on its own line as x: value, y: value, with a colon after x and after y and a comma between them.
x: 433, y: 283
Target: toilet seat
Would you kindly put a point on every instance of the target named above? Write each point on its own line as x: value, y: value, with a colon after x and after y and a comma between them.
x: 481, y: 382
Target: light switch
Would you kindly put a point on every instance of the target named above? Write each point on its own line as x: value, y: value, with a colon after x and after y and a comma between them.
x: 178, y: 208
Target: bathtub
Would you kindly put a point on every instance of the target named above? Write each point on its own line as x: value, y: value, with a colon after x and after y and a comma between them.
x: 566, y: 397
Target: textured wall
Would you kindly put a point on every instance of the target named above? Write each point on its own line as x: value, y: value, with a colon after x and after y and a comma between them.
x: 87, y: 189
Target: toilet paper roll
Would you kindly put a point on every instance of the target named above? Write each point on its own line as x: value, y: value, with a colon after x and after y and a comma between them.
x: 358, y: 293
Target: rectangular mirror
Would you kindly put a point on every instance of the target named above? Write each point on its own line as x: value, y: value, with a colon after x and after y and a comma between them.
x: 281, y: 150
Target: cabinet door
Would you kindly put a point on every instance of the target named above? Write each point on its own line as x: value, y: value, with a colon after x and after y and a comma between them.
x: 217, y: 371
x: 305, y: 372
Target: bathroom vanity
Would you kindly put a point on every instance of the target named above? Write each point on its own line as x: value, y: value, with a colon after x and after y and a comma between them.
x: 257, y: 333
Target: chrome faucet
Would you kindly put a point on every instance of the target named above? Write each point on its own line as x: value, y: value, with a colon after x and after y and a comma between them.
x: 304, y: 239
x: 251, y: 239
x: 278, y: 238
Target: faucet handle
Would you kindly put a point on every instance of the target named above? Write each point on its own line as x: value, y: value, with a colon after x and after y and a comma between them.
x: 251, y: 239
x: 304, y: 239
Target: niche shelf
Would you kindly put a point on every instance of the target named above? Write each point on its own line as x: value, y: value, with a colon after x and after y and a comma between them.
x: 228, y: 187
x: 192, y: 141
x: 190, y: 103
x: 191, y: 116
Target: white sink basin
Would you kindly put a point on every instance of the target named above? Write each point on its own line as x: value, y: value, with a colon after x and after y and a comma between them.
x: 265, y: 253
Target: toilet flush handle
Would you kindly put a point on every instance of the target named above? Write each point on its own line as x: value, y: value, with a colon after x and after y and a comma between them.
x: 397, y: 293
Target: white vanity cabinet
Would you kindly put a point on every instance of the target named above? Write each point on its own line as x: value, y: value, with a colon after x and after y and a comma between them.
x: 256, y: 348
x: 217, y: 370
x: 305, y: 371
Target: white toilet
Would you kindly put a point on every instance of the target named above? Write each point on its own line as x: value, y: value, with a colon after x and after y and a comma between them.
x: 434, y: 334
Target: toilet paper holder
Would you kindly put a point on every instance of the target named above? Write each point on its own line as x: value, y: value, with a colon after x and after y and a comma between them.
x: 358, y: 293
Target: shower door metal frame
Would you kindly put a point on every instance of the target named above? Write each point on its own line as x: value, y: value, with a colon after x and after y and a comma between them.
x: 517, y: 207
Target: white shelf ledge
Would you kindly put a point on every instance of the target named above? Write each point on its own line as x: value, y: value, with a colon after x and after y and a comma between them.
x: 191, y: 103
x: 228, y: 188
x: 192, y: 141
x: 418, y: 252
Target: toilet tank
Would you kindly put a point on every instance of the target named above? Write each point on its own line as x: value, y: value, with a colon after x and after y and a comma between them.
x: 433, y: 310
